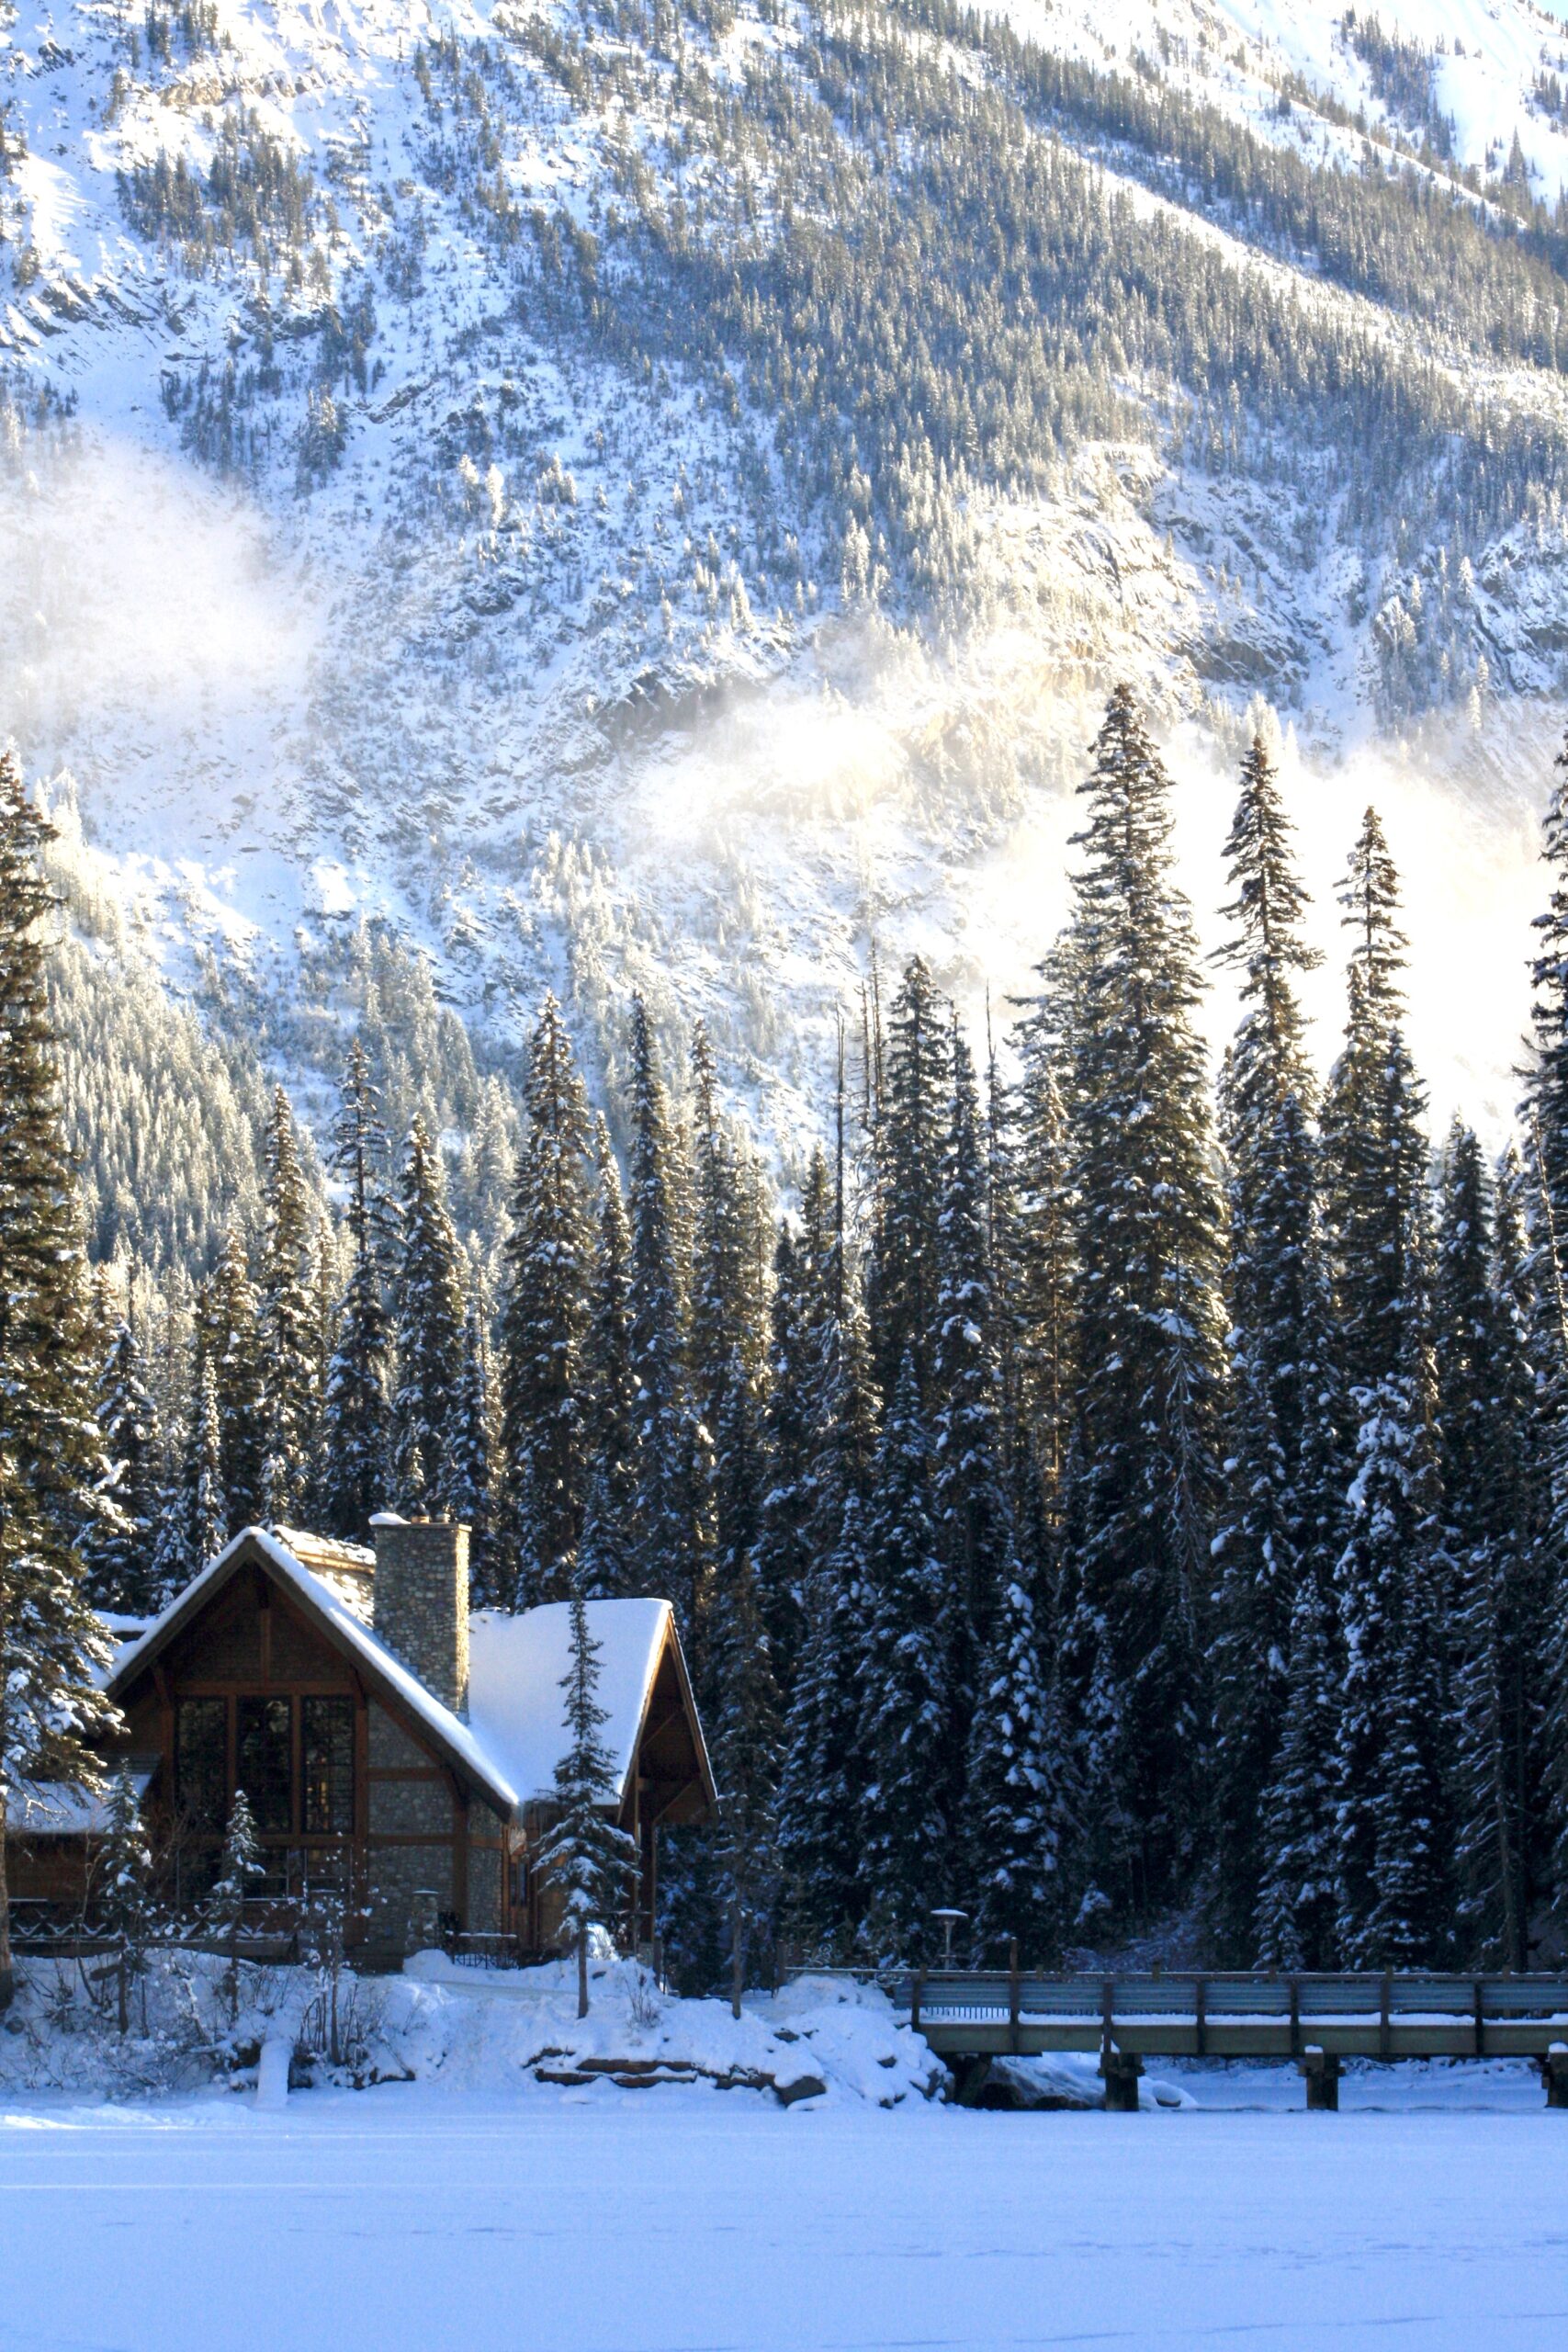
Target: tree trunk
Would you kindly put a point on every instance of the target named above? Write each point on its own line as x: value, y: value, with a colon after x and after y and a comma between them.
x: 583, y: 1970
x: 7, y: 1976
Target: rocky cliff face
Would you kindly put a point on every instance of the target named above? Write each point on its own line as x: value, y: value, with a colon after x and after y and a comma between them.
x: 640, y: 493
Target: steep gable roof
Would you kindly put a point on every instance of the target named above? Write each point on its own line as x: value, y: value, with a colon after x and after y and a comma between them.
x: 343, y: 1626
x: 516, y: 1666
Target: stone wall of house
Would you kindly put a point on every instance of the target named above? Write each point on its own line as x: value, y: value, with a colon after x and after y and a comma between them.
x: 486, y: 1866
x: 408, y: 1885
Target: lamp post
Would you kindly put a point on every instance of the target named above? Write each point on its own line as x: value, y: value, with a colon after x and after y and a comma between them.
x: 949, y: 1919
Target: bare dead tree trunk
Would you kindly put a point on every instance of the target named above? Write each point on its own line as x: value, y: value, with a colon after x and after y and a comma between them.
x: 583, y: 1970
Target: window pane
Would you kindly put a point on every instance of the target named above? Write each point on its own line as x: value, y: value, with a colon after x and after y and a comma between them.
x: 201, y: 1762
x: 266, y: 1764
x: 328, y: 1766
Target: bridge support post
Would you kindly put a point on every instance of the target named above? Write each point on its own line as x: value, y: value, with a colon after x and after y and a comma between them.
x: 1123, y: 2070
x: 1554, y: 2075
x: 1321, y: 2068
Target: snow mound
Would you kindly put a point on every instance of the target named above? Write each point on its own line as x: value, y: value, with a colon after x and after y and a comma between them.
x: 817, y: 2039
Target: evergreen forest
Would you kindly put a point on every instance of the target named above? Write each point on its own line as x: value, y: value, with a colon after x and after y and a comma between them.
x: 1124, y: 1501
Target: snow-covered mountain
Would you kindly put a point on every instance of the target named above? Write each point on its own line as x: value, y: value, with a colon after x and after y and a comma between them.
x: 648, y: 492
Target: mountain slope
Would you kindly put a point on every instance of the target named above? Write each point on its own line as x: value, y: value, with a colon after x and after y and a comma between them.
x: 639, y: 495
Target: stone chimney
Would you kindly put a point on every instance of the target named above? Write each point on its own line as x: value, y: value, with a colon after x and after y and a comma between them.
x: 422, y: 1601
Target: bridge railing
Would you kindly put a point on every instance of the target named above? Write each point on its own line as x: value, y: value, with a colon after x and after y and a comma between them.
x: 1236, y: 2013
x: 1319, y: 2021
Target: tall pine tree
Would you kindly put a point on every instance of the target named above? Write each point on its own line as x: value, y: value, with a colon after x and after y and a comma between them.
x: 545, y: 1322
x: 1493, y: 1506
x: 1147, y: 1222
x: 428, y: 1308
x: 121, y: 1545
x: 51, y: 1455
x: 357, y: 1406
x: 907, y: 1829
x: 289, y: 1353
x: 908, y: 1139
x: 1278, y: 1508
x: 670, y: 1446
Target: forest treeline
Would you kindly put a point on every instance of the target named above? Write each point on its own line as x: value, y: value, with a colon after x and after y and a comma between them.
x: 1104, y: 1500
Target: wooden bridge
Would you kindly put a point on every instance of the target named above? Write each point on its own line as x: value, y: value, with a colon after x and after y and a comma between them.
x: 1319, y: 2021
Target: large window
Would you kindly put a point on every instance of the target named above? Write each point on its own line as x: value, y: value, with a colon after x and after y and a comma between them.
x: 327, y: 1757
x: 201, y: 1762
x: 293, y: 1758
x: 263, y: 1760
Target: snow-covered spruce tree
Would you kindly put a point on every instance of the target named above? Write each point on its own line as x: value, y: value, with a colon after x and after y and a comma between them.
x: 912, y: 1119
x: 124, y: 1899
x: 1036, y: 1274
x: 286, y: 1324
x: 1375, y: 1153
x: 1546, y: 1155
x: 799, y: 1521
x: 726, y: 1289
x: 239, y: 1868
x: 672, y: 1546
x: 1279, y: 1505
x: 738, y: 1475
x: 969, y: 1484
x: 727, y: 1336
x: 604, y: 1566
x: 1495, y: 1521
x: 331, y: 1264
x: 121, y: 1545
x: 610, y: 1408
x: 1019, y: 1806
x: 1391, y: 1578
x: 746, y: 1766
x: 544, y: 1322
x: 1465, y: 1316
x: 827, y: 1760
x: 1149, y: 1329
x: 1546, y: 1100
x: 231, y: 1338
x: 584, y: 1854
x: 208, y: 1525
x: 427, y: 1309
x: 825, y: 1765
x: 356, y: 1405
x: 784, y: 1550
x: 1395, y: 1830
x: 472, y: 1490
x: 1300, y: 1899
x: 51, y: 1455
x: 908, y: 1833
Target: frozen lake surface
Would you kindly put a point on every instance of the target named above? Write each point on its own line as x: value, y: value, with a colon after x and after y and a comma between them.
x: 1432, y: 2212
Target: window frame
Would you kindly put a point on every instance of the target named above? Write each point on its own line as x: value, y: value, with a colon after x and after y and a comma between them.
x: 231, y: 1693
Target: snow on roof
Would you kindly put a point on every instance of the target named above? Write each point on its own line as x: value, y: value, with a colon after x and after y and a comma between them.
x: 122, y: 1632
x: 516, y: 1704
x: 457, y: 1736
x: 59, y: 1809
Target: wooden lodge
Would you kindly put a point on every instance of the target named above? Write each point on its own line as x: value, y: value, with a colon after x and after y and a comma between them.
x: 392, y: 1742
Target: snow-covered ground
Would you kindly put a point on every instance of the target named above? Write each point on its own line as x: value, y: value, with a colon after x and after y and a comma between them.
x: 1432, y: 2212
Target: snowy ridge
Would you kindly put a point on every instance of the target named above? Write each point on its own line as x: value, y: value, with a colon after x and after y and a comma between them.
x: 349, y: 578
